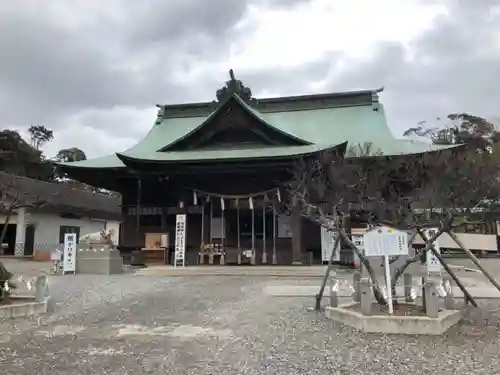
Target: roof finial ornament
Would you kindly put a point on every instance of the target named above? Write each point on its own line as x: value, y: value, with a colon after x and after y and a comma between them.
x: 161, y: 114
x: 234, y: 87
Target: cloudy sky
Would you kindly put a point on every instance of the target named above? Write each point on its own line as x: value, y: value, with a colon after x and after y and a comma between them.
x: 93, y: 70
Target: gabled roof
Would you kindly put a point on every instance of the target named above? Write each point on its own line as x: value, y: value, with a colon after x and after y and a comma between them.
x: 320, y: 121
x: 248, y: 109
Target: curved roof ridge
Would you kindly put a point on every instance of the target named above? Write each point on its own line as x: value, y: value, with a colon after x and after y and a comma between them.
x: 254, y: 113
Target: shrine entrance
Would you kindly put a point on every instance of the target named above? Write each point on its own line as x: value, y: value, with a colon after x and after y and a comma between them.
x: 239, y: 230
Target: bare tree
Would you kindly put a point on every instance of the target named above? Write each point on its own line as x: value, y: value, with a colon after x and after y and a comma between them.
x: 384, y: 190
x: 11, y: 200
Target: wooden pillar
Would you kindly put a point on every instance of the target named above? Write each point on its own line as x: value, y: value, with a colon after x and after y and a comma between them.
x: 238, y: 229
x: 138, y: 215
x: 275, y: 260
x: 264, y: 243
x: 296, y: 225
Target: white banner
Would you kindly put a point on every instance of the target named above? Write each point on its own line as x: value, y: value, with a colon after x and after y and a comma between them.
x: 180, y: 239
x: 69, y: 255
x: 328, y: 238
x: 433, y: 264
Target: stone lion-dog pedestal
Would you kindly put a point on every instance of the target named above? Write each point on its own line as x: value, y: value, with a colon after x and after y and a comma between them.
x: 97, y: 255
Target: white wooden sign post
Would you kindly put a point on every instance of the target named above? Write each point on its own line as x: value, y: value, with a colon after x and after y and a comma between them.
x: 328, y: 238
x: 433, y: 264
x: 180, y: 240
x: 357, y: 237
x: 386, y: 242
x: 69, y: 255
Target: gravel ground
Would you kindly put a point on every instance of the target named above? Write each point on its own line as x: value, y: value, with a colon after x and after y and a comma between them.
x: 130, y: 324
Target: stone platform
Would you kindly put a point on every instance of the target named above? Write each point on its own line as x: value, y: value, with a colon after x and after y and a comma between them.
x: 408, y: 325
x: 260, y: 270
x: 98, y: 260
x: 23, y: 307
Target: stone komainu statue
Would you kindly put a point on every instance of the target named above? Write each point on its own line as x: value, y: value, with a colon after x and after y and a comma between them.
x: 103, y: 237
x: 5, y: 277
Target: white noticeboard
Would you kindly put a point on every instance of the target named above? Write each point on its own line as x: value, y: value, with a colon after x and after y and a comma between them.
x: 180, y: 239
x: 217, y: 228
x: 69, y: 257
x: 284, y: 226
x: 385, y: 241
x: 328, y: 238
x: 433, y: 264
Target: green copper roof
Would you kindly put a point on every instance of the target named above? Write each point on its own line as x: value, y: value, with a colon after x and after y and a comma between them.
x: 227, y: 154
x: 321, y: 127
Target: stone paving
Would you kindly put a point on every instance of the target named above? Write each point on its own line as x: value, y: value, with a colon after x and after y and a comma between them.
x: 127, y: 324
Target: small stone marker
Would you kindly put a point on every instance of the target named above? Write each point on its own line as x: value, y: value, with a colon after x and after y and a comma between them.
x: 356, y: 279
x: 365, y: 297
x: 41, y: 288
x: 408, y: 285
x: 449, y: 301
x: 431, y: 299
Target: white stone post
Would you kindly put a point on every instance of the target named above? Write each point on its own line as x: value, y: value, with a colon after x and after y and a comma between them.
x: 20, y: 232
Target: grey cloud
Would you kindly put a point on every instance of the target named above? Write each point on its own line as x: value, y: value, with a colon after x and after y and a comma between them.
x: 48, y: 72
x: 159, y: 21
x: 454, y: 68
x: 288, y: 80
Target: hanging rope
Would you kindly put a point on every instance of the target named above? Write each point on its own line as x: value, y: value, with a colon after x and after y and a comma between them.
x: 236, y: 196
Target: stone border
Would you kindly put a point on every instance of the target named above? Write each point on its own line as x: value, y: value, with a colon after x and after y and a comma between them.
x: 25, y: 308
x: 409, y: 325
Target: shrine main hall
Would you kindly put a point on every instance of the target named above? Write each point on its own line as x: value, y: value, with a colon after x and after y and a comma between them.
x: 223, y: 164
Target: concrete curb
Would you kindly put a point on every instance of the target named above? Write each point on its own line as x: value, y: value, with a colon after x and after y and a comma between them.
x: 28, y: 307
x: 311, y: 291
x: 406, y: 325
x: 264, y: 274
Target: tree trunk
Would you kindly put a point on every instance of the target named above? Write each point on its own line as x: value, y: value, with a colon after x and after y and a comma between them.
x: 474, y: 259
x: 375, y: 285
x: 6, y: 223
x: 400, y: 270
x: 319, y: 296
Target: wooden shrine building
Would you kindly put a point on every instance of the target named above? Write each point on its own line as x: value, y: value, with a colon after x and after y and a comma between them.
x: 222, y: 163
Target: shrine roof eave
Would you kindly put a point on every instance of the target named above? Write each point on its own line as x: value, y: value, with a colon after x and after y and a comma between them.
x: 225, y: 155
x: 394, y: 148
